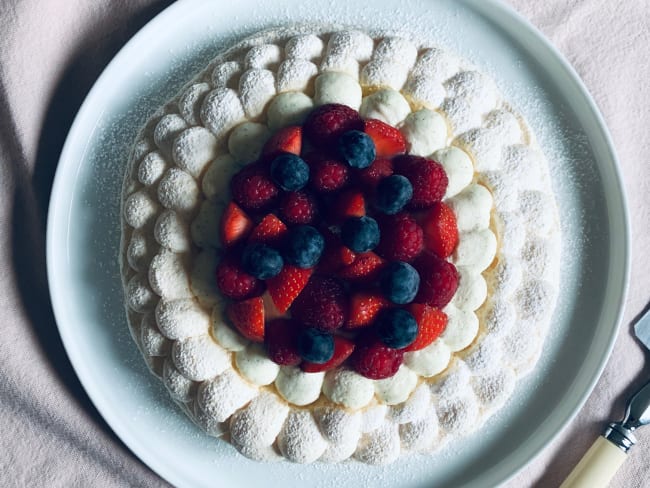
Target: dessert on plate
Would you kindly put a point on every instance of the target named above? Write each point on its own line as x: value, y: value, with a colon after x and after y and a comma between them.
x: 338, y: 244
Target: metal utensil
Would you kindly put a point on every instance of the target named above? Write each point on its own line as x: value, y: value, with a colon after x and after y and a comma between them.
x: 599, y: 465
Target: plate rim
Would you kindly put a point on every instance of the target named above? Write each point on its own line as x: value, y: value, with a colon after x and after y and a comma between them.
x: 113, y: 419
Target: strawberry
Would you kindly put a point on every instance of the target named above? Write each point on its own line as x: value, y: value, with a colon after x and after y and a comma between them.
x: 326, y: 174
x: 286, y: 140
x: 271, y: 230
x: 427, y: 177
x: 438, y: 280
x: 248, y: 318
x: 336, y: 255
x: 371, y: 176
x: 440, y: 230
x: 281, y: 342
x: 235, y: 225
x: 364, y: 269
x: 286, y: 286
x: 234, y: 282
x: 322, y: 304
x: 252, y: 187
x: 325, y: 124
x: 431, y: 323
x: 342, y: 350
x: 298, y: 207
x: 373, y: 359
x: 388, y: 140
x: 349, y: 204
x: 401, y: 238
x: 364, y: 307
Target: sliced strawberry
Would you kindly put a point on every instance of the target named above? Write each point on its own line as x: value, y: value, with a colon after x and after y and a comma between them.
x: 248, y: 318
x: 365, y: 268
x: 336, y: 255
x: 349, y: 204
x: 431, y: 323
x: 388, y: 140
x: 270, y: 230
x: 286, y: 286
x: 364, y: 307
x: 235, y: 225
x: 286, y: 140
x: 440, y: 230
x: 342, y: 350
x: 282, y: 342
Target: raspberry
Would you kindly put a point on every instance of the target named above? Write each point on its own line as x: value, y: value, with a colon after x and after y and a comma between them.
x: 252, y: 188
x: 327, y: 174
x: 235, y: 283
x: 427, y: 177
x: 298, y: 208
x: 438, y: 280
x: 322, y: 304
x: 377, y: 171
x: 281, y: 337
x: 325, y: 124
x: 402, y: 239
x: 375, y: 360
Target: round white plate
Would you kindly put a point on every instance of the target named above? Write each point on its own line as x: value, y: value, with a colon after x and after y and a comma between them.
x: 83, y: 238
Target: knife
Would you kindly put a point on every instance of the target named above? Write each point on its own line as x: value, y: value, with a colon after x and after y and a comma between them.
x: 599, y: 465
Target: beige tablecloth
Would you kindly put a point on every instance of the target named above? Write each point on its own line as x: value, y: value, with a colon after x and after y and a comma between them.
x: 51, y: 51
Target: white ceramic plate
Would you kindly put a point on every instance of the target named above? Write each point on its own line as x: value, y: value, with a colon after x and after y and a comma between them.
x: 83, y: 238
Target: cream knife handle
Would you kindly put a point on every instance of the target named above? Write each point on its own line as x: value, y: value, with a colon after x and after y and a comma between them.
x: 597, y: 467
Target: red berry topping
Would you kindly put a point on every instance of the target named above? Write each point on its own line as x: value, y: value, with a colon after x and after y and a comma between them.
x: 282, y: 342
x: 427, y: 177
x: 235, y: 225
x: 235, y: 283
x: 325, y: 124
x: 388, y: 140
x: 252, y: 187
x: 438, y: 280
x: 377, y: 171
x: 336, y: 255
x: 298, y: 207
x: 286, y: 286
x: 286, y: 140
x: 440, y: 230
x: 342, y: 350
x: 349, y: 204
x: 322, y: 304
x: 431, y: 323
x: 248, y: 318
x: 327, y: 174
x: 364, y: 307
x: 271, y: 230
x: 374, y: 360
x: 402, y: 238
x: 365, y: 268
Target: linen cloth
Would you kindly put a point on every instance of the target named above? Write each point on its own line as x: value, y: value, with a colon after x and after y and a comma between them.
x: 51, y: 51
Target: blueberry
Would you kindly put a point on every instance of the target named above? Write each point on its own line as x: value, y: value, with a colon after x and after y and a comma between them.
x: 393, y: 193
x: 361, y: 234
x: 315, y: 346
x: 396, y: 328
x: 357, y: 148
x: 261, y: 261
x: 399, y: 281
x: 304, y: 247
x: 290, y: 172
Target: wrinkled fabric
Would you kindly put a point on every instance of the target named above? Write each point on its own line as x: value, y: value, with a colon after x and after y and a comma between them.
x: 51, y: 51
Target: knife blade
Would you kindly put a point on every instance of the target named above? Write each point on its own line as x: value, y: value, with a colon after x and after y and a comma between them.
x: 599, y: 465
